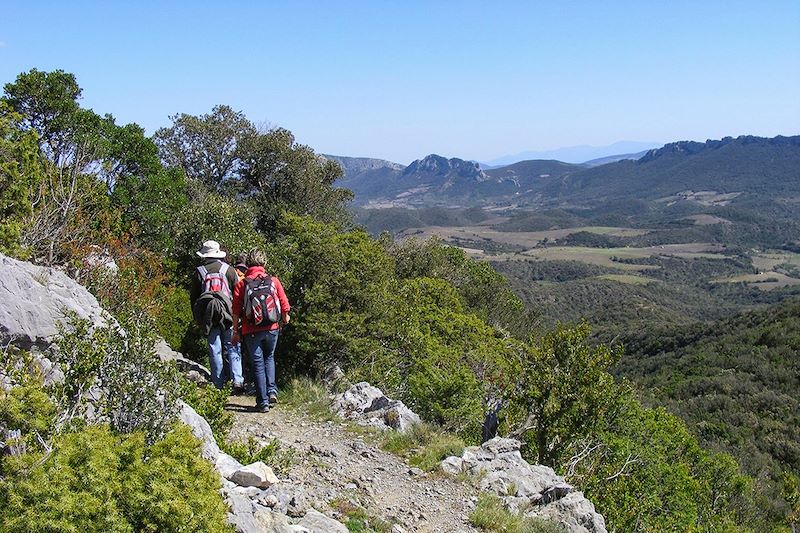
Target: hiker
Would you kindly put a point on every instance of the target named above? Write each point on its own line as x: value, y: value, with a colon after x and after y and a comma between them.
x: 247, y: 366
x: 212, y: 292
x: 260, y: 308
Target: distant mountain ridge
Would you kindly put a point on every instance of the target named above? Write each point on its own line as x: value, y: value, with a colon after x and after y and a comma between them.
x: 576, y: 154
x: 737, y: 170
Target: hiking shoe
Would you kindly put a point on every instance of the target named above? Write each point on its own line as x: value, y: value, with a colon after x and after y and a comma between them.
x: 273, y: 399
x: 262, y: 408
x: 238, y: 389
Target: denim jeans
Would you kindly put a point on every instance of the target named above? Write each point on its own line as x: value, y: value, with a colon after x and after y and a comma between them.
x: 261, y: 348
x: 219, y: 339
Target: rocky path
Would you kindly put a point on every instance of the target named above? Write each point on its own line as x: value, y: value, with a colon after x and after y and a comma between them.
x: 332, y: 462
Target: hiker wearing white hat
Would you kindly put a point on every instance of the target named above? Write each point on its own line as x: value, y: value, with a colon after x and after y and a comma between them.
x: 212, y: 291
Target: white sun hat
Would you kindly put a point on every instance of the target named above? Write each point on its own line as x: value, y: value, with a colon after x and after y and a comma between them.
x: 211, y: 249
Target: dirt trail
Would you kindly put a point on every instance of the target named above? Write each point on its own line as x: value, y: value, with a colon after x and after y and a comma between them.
x: 334, y: 462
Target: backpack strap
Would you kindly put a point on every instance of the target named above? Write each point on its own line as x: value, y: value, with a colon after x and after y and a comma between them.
x: 203, y: 271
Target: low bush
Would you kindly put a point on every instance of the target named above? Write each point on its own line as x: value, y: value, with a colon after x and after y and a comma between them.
x: 96, y: 480
x: 491, y: 515
x: 424, y: 445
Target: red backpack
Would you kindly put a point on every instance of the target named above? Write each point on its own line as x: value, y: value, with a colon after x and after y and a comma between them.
x: 261, y: 304
x: 214, y: 281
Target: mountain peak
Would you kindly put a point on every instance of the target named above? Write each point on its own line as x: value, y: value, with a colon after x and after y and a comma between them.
x: 436, y: 165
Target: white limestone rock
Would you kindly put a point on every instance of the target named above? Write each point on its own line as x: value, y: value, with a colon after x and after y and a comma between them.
x: 367, y: 405
x: 34, y: 301
x: 201, y: 430
x: 317, y: 522
x: 255, y: 475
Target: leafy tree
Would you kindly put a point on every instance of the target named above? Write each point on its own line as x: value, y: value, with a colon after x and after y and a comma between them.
x: 646, y: 472
x: 21, y: 171
x: 208, y: 147
x: 48, y: 104
x: 80, y: 150
x: 152, y: 206
x: 281, y: 175
x: 561, y: 391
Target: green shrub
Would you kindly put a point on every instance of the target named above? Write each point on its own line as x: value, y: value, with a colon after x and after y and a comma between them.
x: 95, y: 480
x: 26, y: 407
x: 424, y: 445
x: 491, y: 515
x: 141, y: 392
x: 209, y: 402
x: 270, y: 454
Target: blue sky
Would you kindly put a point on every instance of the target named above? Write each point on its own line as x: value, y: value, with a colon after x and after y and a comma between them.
x: 401, y: 79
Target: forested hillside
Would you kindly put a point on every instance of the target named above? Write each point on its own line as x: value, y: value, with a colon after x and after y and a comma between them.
x: 420, y: 319
x: 736, y: 381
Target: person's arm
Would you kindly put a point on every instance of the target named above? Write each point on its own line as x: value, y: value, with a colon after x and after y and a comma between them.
x: 285, y: 306
x: 238, y: 300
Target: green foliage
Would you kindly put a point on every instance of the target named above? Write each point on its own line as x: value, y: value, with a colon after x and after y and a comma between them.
x: 251, y: 451
x: 308, y: 394
x: 491, y: 515
x: 96, y: 481
x: 357, y: 519
x: 424, y: 445
x: 213, y: 217
x: 141, y: 393
x: 26, y: 407
x: 281, y: 175
x: 736, y: 384
x: 209, y: 402
x: 151, y: 207
x: 207, y: 148
x: 337, y: 282
x: 81, y: 156
x: 562, y: 391
x: 646, y: 472
x: 20, y: 173
x: 482, y: 289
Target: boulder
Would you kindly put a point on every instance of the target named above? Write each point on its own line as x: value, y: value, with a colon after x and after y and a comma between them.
x: 501, y: 469
x: 227, y: 465
x: 241, y: 513
x: 34, y: 300
x: 317, y: 522
x: 201, y: 430
x: 368, y: 406
x: 573, y: 511
x: 255, y: 475
x: 192, y: 370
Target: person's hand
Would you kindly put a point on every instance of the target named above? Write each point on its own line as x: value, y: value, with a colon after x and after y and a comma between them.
x: 285, y: 319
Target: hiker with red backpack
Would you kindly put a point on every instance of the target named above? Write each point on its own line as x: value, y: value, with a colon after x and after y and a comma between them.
x: 260, y: 308
x: 211, y: 298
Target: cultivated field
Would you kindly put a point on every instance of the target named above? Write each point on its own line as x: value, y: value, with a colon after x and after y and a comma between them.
x: 525, y: 239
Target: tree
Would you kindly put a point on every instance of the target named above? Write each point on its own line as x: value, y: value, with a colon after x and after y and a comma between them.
x: 207, y: 147
x: 82, y: 156
x: 47, y: 103
x: 21, y: 170
x: 561, y: 391
x: 280, y: 175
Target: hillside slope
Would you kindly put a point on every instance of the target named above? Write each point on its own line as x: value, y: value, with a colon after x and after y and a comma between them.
x: 736, y: 382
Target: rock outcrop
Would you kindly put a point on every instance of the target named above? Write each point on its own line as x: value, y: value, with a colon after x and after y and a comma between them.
x: 368, y: 406
x: 535, y: 490
x: 34, y: 300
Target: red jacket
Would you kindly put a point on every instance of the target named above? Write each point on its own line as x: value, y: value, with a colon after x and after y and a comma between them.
x: 238, y: 300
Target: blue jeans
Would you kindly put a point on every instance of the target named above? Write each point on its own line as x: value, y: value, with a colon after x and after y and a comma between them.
x: 261, y: 347
x: 217, y: 340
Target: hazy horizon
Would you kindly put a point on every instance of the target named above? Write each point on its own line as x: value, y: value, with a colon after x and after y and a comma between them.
x: 398, y: 81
